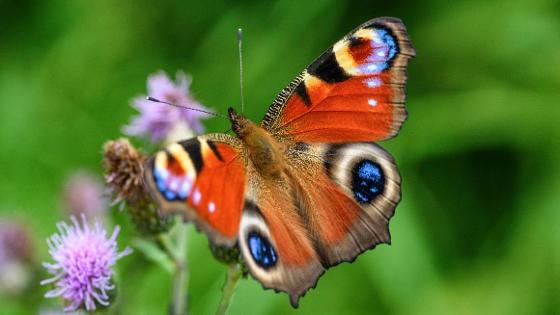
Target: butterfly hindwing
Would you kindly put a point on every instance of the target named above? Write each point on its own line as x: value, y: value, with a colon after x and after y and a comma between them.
x: 333, y: 203
x: 203, y: 178
x: 275, y: 242
x: 355, y: 91
x: 350, y: 192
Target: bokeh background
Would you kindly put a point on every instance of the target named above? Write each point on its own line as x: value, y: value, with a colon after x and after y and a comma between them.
x: 477, y: 231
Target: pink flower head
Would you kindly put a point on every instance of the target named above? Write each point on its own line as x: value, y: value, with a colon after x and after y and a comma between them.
x: 83, y: 193
x: 16, y: 256
x: 83, y: 260
x: 15, y: 241
x: 156, y: 120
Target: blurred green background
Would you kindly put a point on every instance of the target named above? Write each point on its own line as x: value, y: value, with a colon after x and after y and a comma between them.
x: 477, y: 231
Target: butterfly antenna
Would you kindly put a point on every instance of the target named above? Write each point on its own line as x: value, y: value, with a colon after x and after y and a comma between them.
x: 153, y: 99
x: 240, y: 47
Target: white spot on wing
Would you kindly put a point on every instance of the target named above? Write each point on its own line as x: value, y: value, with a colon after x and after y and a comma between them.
x: 370, y: 68
x: 174, y: 184
x: 185, y: 188
x: 372, y: 102
x: 196, y: 197
x: 373, y: 82
x: 211, y: 207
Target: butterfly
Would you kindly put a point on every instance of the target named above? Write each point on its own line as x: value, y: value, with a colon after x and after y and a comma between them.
x: 308, y: 187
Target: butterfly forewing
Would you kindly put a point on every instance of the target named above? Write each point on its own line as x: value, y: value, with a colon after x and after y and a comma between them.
x: 203, y: 178
x: 353, y: 92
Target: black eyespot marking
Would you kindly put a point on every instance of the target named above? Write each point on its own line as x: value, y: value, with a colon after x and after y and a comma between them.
x: 327, y: 68
x: 262, y: 251
x: 368, y: 181
x: 192, y: 146
x: 356, y: 41
x: 301, y: 90
x: 214, y: 149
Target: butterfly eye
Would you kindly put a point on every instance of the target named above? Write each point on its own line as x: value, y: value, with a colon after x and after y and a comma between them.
x: 261, y: 250
x: 368, y: 181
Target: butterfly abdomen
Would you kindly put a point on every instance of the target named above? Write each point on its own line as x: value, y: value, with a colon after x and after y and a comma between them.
x: 264, y: 151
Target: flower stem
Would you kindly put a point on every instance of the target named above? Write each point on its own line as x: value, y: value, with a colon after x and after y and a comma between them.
x: 233, y: 275
x: 180, y: 278
x: 163, y: 241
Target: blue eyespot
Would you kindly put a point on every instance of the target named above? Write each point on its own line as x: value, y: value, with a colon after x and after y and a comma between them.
x: 262, y: 251
x: 368, y: 181
x: 389, y: 40
x: 385, y: 50
x: 171, y: 187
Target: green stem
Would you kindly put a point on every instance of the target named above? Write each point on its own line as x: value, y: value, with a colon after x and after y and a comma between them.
x: 163, y: 241
x: 233, y: 274
x: 180, y: 278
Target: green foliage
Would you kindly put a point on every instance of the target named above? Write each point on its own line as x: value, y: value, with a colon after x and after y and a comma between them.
x: 477, y: 230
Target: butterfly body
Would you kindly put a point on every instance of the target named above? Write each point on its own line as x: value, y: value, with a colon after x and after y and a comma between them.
x: 264, y: 151
x: 308, y: 188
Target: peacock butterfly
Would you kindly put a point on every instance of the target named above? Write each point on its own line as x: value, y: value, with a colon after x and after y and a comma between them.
x: 307, y: 188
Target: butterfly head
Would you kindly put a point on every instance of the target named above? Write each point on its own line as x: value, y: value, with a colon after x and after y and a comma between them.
x: 239, y: 123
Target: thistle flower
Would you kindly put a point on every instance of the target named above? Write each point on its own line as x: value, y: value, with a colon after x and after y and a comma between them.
x: 83, y: 260
x: 157, y: 120
x: 83, y: 193
x: 124, y: 168
x: 16, y: 253
x: 15, y: 242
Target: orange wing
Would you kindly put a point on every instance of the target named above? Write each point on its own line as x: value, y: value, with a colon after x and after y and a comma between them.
x: 203, y: 178
x: 275, y: 241
x: 348, y: 192
x: 355, y: 91
x: 333, y: 203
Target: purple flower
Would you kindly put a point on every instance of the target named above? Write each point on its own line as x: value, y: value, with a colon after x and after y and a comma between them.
x: 83, y: 260
x: 15, y: 242
x: 83, y: 193
x: 16, y: 256
x: 156, y: 120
